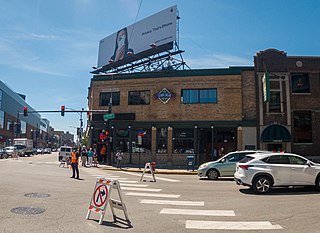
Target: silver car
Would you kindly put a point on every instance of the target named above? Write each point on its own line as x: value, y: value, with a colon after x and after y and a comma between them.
x: 225, y: 166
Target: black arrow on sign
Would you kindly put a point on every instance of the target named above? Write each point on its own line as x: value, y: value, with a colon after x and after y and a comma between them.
x: 102, y: 193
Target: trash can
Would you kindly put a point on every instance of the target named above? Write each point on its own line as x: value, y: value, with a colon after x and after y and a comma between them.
x: 190, y: 162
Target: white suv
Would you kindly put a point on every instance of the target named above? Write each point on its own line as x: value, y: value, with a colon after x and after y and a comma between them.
x: 263, y: 171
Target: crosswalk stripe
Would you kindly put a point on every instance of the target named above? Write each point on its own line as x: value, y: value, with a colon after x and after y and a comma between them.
x: 134, y: 185
x: 153, y: 195
x: 150, y: 177
x: 141, y: 189
x: 128, y: 181
x: 228, y: 225
x: 168, y: 202
x: 198, y: 212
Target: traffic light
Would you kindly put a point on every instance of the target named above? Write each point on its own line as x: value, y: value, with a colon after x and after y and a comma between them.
x: 25, y: 111
x: 62, y: 110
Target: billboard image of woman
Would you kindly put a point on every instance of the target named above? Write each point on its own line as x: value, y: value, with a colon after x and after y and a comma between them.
x: 121, y: 49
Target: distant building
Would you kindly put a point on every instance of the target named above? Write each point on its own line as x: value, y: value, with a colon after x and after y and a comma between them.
x: 13, y: 123
x: 67, y: 139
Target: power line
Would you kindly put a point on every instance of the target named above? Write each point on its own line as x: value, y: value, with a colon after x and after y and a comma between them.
x: 135, y: 21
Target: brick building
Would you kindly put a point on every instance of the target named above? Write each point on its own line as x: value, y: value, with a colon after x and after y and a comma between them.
x: 174, y: 113
x: 290, y: 119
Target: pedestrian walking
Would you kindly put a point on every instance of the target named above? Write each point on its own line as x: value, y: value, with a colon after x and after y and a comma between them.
x: 95, y: 159
x: 84, y: 156
x: 119, y: 157
x: 90, y: 156
x: 74, y: 164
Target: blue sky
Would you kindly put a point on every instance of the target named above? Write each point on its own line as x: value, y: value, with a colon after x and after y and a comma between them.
x: 47, y: 47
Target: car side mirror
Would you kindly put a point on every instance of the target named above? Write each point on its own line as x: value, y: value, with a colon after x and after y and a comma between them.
x: 309, y: 163
x: 222, y: 160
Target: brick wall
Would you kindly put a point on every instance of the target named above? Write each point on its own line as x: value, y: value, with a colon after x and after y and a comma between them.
x: 229, y: 106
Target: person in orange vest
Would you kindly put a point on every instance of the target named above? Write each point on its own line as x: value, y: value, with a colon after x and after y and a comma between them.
x: 74, y: 164
x: 103, y: 152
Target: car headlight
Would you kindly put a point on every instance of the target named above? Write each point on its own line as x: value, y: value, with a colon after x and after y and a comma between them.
x: 203, y: 166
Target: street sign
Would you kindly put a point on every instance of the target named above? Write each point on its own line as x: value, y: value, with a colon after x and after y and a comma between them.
x: 108, y: 116
x: 102, y: 197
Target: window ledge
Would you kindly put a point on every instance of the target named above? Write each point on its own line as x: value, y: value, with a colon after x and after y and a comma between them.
x: 301, y: 93
x: 303, y: 143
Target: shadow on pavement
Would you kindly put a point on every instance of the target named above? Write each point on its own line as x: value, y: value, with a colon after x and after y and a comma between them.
x: 283, y: 191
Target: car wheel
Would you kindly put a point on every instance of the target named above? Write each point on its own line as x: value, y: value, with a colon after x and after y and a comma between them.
x: 213, y: 174
x: 262, y: 184
x: 317, y: 185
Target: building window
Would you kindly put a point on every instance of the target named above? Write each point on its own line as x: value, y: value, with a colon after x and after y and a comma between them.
x: 274, y: 103
x: 302, y: 130
x: 162, y: 140
x: 23, y: 127
x: 105, y: 98
x: 196, y: 96
x: 139, y: 98
x: 183, y: 140
x: 141, y: 139
x: 300, y: 83
x: 9, y: 125
x: 1, y: 120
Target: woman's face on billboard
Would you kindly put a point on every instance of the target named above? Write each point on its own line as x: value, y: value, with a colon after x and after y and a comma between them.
x: 121, y: 38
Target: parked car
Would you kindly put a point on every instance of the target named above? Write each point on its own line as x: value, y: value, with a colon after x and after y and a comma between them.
x: 224, y: 166
x: 3, y: 154
x: 39, y: 150
x: 264, y: 171
x: 47, y: 151
x: 10, y: 150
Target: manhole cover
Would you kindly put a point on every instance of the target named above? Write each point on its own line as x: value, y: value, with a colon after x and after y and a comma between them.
x: 27, y: 210
x: 37, y: 195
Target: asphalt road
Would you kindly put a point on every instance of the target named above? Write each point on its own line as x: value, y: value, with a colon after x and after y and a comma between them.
x: 175, y: 203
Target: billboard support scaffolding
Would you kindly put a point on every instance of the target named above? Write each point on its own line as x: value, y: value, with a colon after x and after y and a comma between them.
x: 168, y: 60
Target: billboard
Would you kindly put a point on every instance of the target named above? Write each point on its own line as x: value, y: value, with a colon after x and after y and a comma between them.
x: 158, y: 29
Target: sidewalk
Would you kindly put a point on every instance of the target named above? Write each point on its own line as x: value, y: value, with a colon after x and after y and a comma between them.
x: 128, y: 168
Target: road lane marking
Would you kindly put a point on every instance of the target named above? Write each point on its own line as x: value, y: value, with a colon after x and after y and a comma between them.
x: 198, y: 212
x: 150, y: 177
x: 168, y: 202
x: 228, y: 225
x: 153, y: 195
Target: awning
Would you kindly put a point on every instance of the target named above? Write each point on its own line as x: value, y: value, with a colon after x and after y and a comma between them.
x: 276, y: 133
